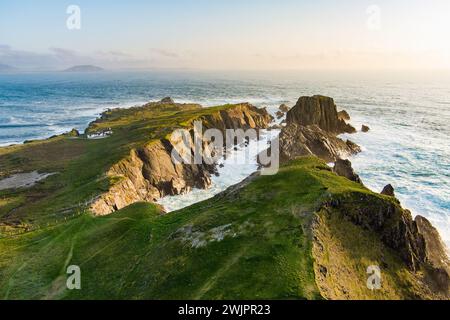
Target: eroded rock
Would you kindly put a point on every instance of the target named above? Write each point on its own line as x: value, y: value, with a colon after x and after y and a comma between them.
x: 344, y: 168
x: 320, y: 111
x: 167, y: 100
x: 149, y: 173
x: 436, y: 254
x: 284, y: 108
x: 297, y: 140
x: 388, y: 191
x: 343, y: 115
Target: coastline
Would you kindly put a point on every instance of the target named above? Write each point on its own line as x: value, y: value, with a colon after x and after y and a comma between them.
x: 374, y: 181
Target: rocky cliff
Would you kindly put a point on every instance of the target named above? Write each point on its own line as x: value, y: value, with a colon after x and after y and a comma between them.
x: 149, y: 173
x: 312, y: 127
x: 320, y: 111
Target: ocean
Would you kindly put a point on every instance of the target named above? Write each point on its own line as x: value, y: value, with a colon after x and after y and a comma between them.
x: 408, y: 114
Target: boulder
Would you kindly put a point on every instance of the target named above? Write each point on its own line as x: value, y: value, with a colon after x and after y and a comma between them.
x: 320, y: 111
x: 279, y: 114
x: 167, y: 100
x: 344, y: 168
x: 284, y: 108
x: 388, y: 191
x: 365, y: 128
x: 343, y: 115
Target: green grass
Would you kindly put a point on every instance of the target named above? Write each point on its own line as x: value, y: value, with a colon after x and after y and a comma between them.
x: 253, y: 243
x: 138, y: 253
x: 81, y: 163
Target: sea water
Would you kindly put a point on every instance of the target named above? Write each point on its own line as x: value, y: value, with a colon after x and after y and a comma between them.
x: 408, y: 114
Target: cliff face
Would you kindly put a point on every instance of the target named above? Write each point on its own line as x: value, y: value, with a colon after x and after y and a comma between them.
x: 149, y: 173
x: 355, y: 225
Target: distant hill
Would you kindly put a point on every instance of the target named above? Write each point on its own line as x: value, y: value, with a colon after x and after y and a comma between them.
x: 4, y: 68
x: 84, y: 68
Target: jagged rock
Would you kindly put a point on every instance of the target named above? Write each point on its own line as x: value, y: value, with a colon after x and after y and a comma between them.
x: 283, y: 108
x: 72, y: 133
x: 276, y: 127
x: 435, y: 254
x: 388, y: 191
x: 344, y: 168
x: 279, y: 114
x: 343, y: 115
x: 393, y: 224
x: 296, y: 141
x: 320, y: 111
x: 365, y: 128
x: 149, y: 173
x: 167, y: 100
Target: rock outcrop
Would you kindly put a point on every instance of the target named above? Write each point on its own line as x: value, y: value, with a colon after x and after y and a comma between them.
x: 388, y: 190
x: 311, y: 128
x: 436, y: 255
x: 320, y: 111
x: 365, y: 128
x: 343, y: 115
x: 72, y: 133
x: 284, y: 108
x: 167, y: 100
x: 344, y: 168
x: 297, y: 140
x: 387, y: 219
x: 279, y: 114
x: 149, y: 173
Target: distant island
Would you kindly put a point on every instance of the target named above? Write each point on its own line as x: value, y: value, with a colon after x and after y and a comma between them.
x: 4, y: 68
x: 84, y: 68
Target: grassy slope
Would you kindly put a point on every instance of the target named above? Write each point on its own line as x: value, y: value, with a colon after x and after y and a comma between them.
x: 81, y: 163
x: 266, y: 250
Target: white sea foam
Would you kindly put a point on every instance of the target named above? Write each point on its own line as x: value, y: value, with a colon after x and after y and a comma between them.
x: 237, y: 166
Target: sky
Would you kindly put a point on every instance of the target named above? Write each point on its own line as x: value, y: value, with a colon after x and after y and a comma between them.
x: 226, y: 34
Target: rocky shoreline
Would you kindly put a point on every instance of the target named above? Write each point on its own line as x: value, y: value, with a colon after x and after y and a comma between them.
x: 149, y: 173
x: 322, y: 215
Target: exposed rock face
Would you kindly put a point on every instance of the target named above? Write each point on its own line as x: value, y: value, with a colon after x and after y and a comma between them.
x: 387, y: 219
x: 344, y: 168
x: 279, y: 114
x: 312, y: 128
x: 73, y: 133
x: 167, y: 100
x: 320, y: 111
x: 365, y: 128
x: 416, y: 242
x: 283, y: 108
x: 297, y: 140
x: 149, y: 173
x: 343, y: 115
x: 276, y: 127
x: 435, y: 254
x: 388, y: 191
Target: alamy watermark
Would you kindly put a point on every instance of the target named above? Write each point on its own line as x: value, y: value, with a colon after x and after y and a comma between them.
x: 374, y: 18
x: 374, y: 279
x: 74, y: 279
x: 73, y: 22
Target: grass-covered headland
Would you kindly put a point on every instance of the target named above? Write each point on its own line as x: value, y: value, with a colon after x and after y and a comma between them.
x: 304, y: 233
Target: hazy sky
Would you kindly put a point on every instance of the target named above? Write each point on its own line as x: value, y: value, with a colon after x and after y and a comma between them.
x: 228, y: 34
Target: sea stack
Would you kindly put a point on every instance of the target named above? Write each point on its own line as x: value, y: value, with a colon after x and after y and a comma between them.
x: 320, y: 111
